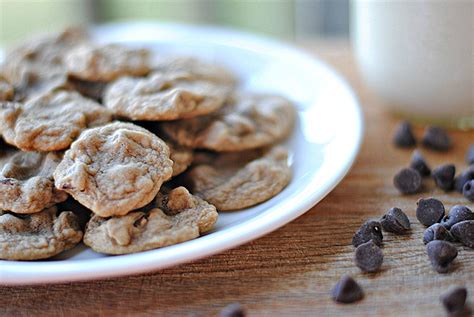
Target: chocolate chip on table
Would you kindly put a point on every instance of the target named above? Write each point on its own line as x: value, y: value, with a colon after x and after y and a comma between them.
x: 371, y: 230
x: 470, y: 155
x: 437, y: 139
x: 454, y: 300
x: 464, y: 232
x: 444, y: 176
x: 468, y: 190
x: 441, y: 254
x: 404, y: 136
x: 429, y: 211
x: 463, y: 178
x: 232, y: 310
x: 436, y: 232
x: 408, y: 181
x: 457, y: 214
x: 395, y: 221
x: 347, y: 291
x: 418, y: 163
x: 368, y: 257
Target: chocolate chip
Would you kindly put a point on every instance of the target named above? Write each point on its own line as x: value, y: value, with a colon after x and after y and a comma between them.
x: 368, y: 257
x: 347, y: 290
x: 441, y: 254
x: 404, y: 136
x: 395, y: 221
x: 470, y: 154
x: 437, y: 139
x: 437, y: 232
x: 457, y: 214
x: 464, y: 232
x: 418, y: 163
x: 371, y: 230
x: 468, y: 190
x: 454, y: 300
x: 407, y: 181
x: 463, y: 178
x: 7, y: 181
x: 444, y: 176
x: 429, y: 211
x: 232, y: 310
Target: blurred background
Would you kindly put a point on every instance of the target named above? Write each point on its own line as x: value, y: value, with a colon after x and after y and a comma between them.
x: 287, y: 19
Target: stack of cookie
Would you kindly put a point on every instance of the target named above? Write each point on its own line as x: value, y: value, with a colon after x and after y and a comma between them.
x: 125, y: 151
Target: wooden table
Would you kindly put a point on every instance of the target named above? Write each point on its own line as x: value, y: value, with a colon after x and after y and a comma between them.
x: 291, y: 271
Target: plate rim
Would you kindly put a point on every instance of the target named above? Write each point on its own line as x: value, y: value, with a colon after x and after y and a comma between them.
x: 48, y: 272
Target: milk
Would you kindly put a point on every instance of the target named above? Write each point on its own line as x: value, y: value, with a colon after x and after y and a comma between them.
x: 419, y: 56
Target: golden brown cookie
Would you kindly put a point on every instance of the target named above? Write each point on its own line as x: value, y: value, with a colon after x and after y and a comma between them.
x: 26, y: 180
x: 50, y: 121
x: 37, y: 236
x: 6, y: 89
x: 199, y: 68
x: 246, y: 122
x: 182, y: 158
x: 40, y: 60
x: 175, y: 217
x: 107, y: 62
x: 115, y: 168
x: 234, y: 181
x: 164, y: 96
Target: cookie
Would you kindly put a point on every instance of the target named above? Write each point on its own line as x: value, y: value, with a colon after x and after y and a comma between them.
x: 175, y: 217
x: 115, y: 168
x: 91, y: 89
x: 6, y: 89
x: 37, y: 236
x: 182, y: 158
x: 40, y: 60
x: 235, y: 181
x: 246, y: 122
x: 51, y: 121
x: 164, y: 96
x: 199, y: 68
x: 107, y: 62
x: 26, y: 180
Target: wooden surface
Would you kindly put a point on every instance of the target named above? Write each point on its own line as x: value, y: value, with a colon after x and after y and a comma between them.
x: 291, y: 271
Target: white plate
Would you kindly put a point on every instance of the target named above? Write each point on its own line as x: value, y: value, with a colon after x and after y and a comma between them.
x: 323, y: 147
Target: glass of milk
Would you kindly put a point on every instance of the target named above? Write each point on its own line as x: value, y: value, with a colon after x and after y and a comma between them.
x: 418, y: 55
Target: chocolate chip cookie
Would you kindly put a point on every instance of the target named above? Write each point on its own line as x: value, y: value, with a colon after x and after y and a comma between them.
x: 246, y: 122
x: 115, y: 168
x: 51, y: 121
x: 37, y: 236
x: 198, y: 68
x: 176, y: 216
x: 26, y: 180
x: 106, y: 63
x: 40, y: 60
x: 164, y: 96
x: 6, y: 89
x: 235, y: 181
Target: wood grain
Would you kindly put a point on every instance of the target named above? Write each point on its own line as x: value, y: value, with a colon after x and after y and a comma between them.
x: 291, y: 271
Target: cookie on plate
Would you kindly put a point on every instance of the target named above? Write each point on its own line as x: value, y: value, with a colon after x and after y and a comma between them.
x: 245, y: 122
x: 199, y: 68
x: 164, y: 96
x: 50, y: 121
x: 6, y: 89
x: 40, y: 60
x: 115, y: 168
x: 234, y: 181
x: 26, y: 180
x: 107, y: 62
x: 37, y: 236
x: 175, y: 216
